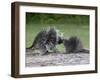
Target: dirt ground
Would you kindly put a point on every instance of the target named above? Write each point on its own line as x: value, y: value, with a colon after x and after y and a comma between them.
x: 56, y: 59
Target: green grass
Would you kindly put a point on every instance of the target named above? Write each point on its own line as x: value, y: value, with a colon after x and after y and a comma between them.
x: 79, y: 30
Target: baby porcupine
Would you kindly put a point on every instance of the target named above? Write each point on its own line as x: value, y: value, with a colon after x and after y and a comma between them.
x: 74, y: 45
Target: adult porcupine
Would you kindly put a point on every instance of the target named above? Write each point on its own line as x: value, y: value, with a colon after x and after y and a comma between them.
x: 46, y: 40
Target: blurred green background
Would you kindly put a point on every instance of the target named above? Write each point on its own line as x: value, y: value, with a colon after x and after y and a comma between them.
x: 70, y: 25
